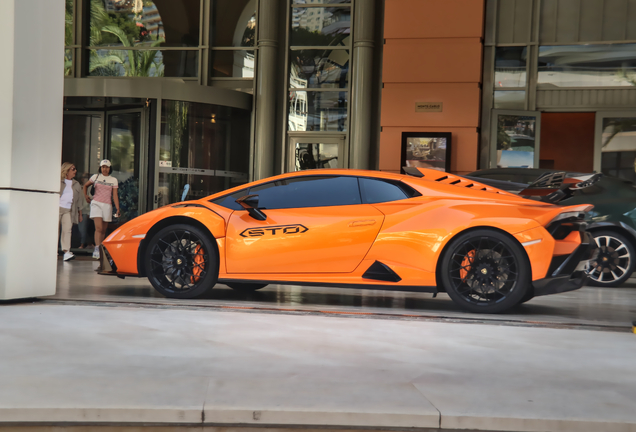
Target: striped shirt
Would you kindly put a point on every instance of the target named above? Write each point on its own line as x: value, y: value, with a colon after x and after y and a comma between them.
x: 104, y: 186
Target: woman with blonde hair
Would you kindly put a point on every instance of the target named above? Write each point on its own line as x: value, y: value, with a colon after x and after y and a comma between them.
x: 70, y: 212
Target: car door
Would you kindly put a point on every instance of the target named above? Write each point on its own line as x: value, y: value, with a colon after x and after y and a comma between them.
x: 315, y: 224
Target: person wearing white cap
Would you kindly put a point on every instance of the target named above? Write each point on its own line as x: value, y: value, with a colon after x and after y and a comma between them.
x: 101, y: 204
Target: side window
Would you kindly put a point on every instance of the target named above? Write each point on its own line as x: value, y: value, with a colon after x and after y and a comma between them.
x: 308, y: 191
x: 229, y: 201
x: 378, y: 191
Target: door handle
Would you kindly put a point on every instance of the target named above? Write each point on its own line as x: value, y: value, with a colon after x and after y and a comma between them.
x: 360, y: 223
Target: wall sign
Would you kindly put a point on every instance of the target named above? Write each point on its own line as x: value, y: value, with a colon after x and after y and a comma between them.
x: 428, y: 106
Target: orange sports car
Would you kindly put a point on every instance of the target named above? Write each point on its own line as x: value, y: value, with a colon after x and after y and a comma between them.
x: 425, y: 231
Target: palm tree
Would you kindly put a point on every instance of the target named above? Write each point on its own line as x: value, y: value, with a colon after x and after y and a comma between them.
x: 134, y: 63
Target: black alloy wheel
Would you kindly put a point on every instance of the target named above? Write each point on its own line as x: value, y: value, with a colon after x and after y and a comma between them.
x: 245, y: 287
x: 613, y: 261
x: 182, y: 262
x: 485, y: 271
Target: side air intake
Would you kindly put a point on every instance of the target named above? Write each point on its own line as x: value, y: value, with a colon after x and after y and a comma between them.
x: 382, y: 272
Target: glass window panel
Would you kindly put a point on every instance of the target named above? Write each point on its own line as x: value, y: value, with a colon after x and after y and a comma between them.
x: 510, y: 99
x: 619, y: 147
x: 319, y: 68
x: 233, y: 23
x: 68, y: 62
x: 328, y: 26
x: 318, y: 111
x: 229, y: 201
x: 315, y: 155
x: 510, y: 67
x: 515, y: 141
x: 379, y: 191
x: 68, y: 27
x: 148, y: 23
x: 587, y: 65
x: 308, y: 191
x: 200, y: 141
x: 232, y: 64
x: 145, y: 63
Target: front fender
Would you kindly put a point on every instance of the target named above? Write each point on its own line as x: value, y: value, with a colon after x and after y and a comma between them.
x: 128, y: 241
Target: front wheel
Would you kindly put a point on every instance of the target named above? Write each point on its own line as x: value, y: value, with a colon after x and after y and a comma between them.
x: 182, y: 262
x: 614, y: 262
x: 484, y: 271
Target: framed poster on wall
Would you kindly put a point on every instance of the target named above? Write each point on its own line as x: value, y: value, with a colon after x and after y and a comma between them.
x: 515, y: 137
x: 426, y: 150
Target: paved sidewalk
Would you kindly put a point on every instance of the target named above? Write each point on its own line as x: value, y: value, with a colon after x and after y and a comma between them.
x: 68, y: 364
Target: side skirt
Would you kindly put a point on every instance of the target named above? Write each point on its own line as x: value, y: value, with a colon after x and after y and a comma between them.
x: 410, y: 288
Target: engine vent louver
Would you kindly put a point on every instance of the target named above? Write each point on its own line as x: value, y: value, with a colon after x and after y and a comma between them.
x: 382, y: 272
x: 451, y: 179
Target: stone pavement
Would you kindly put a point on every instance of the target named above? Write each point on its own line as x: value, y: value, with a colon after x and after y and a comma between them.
x: 67, y: 364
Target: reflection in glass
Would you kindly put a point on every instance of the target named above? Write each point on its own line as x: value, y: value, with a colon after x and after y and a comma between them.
x: 588, y: 65
x: 234, y: 23
x: 143, y: 63
x: 515, y: 141
x: 125, y: 140
x: 319, y: 68
x: 320, y: 26
x: 204, y: 146
x: 144, y: 23
x: 82, y: 142
x: 68, y: 26
x: 509, y: 99
x: 68, y: 62
x: 232, y: 64
x: 317, y: 155
x: 510, y: 66
x: 426, y: 152
x: 619, y: 147
x: 317, y: 111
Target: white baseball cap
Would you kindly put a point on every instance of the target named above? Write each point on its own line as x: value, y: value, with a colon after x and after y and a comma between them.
x: 104, y: 162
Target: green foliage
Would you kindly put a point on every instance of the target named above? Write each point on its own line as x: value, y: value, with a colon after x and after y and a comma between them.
x: 128, y: 195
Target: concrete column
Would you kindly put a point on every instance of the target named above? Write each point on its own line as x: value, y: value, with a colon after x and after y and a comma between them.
x: 31, y: 89
x: 362, y: 85
x: 265, y: 133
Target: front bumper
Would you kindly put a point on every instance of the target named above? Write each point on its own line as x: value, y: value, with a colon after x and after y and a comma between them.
x: 566, y: 272
x: 106, y: 264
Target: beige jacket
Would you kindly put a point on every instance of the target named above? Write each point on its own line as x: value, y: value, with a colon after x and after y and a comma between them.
x: 76, y: 199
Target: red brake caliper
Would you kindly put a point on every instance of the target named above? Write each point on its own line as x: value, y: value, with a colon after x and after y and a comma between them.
x: 463, y: 272
x: 198, y: 264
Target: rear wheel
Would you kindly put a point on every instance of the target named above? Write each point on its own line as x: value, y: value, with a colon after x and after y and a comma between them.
x: 245, y: 287
x: 484, y: 271
x: 182, y: 262
x: 614, y: 259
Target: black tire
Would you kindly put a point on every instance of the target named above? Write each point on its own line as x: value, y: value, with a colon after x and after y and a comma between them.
x: 182, y: 261
x: 485, y: 271
x: 245, y: 287
x: 615, y: 261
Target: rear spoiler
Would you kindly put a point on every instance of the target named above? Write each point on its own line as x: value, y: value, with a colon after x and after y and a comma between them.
x: 556, y: 187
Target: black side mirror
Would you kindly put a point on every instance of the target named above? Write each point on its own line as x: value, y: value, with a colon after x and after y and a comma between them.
x: 250, y: 203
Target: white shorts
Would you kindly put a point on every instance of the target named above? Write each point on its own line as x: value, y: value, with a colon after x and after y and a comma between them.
x: 101, y: 210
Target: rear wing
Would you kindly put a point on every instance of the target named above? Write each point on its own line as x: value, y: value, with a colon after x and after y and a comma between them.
x: 452, y: 179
